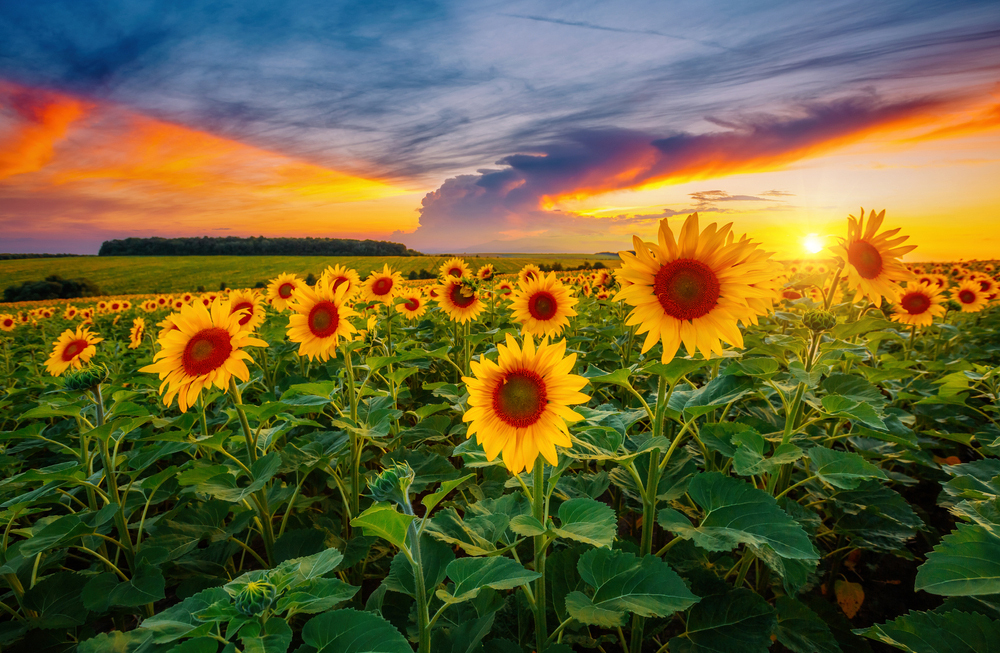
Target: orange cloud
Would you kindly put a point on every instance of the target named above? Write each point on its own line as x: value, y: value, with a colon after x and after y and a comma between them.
x: 40, y: 120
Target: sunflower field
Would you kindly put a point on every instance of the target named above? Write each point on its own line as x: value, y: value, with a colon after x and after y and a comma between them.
x: 705, y: 450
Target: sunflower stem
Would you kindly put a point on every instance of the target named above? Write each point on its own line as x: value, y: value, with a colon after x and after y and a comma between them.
x: 355, y: 439
x: 833, y: 288
x: 538, y: 510
x: 263, y: 511
x: 109, y: 474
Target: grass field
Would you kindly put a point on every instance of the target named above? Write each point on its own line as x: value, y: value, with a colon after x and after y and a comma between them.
x: 154, y: 274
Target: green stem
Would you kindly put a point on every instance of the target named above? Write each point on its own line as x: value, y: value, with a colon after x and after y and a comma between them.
x: 356, y: 443
x: 263, y: 510
x: 538, y: 511
x: 423, y: 604
x: 111, y: 477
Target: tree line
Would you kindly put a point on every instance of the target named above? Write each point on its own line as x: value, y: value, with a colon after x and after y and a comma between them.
x: 253, y: 246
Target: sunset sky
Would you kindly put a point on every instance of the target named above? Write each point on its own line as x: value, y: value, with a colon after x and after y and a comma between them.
x: 498, y: 126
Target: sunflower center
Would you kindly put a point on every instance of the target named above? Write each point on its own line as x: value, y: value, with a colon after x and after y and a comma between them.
x: 967, y: 297
x: 249, y: 309
x: 285, y: 290
x: 8, y: 322
x: 324, y: 319
x: 686, y: 288
x: 412, y: 304
x: 455, y: 272
x: 520, y: 399
x: 915, y: 303
x: 460, y: 300
x: 865, y: 259
x: 338, y: 281
x: 542, y: 306
x: 206, y: 351
x: 382, y: 286
x: 74, y: 349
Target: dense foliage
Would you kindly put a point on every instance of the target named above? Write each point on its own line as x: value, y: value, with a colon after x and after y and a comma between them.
x: 52, y: 287
x: 253, y: 246
x: 15, y: 257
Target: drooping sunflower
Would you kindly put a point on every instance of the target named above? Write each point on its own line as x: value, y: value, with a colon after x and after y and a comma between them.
x: 72, y: 349
x: 486, y: 273
x: 459, y: 300
x: 543, y: 305
x: 249, y: 301
x: 382, y: 286
x: 136, y: 333
x: 281, y: 288
x: 871, y: 259
x: 692, y: 290
x: 919, y: 304
x: 519, y: 405
x: 7, y: 322
x: 340, y: 274
x: 970, y: 296
x: 320, y: 319
x: 206, y: 349
x: 528, y: 272
x: 414, y: 306
x: 455, y: 267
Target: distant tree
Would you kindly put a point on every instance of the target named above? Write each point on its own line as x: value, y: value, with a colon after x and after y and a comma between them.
x: 599, y: 266
x: 260, y: 284
x: 53, y: 287
x: 413, y: 276
x: 201, y: 288
x: 311, y: 279
x: 222, y: 285
x: 427, y: 274
x: 254, y: 246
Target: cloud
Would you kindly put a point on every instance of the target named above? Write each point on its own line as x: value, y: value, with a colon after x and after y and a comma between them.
x: 707, y: 197
x: 38, y: 120
x: 777, y: 193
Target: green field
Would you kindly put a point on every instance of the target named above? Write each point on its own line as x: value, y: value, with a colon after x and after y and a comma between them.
x: 125, y: 275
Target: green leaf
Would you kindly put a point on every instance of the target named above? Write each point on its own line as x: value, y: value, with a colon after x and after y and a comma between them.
x: 526, y: 526
x: 435, y: 556
x: 586, y: 520
x: 840, y: 406
x: 842, y: 469
x: 179, y: 621
x: 291, y: 573
x: 274, y: 637
x: 738, y: 513
x: 676, y: 369
x: 66, y: 528
x: 56, y: 599
x: 763, y: 367
x: 318, y: 595
x: 862, y: 326
x: 966, y: 562
x: 618, y: 377
x: 856, y: 388
x: 383, y: 521
x: 801, y: 630
x: 471, y: 575
x: 875, y: 517
x: 738, y: 621
x: 623, y: 583
x: 145, y: 586
x: 719, y: 392
x: 350, y: 631
x: 431, y: 500
x: 931, y: 632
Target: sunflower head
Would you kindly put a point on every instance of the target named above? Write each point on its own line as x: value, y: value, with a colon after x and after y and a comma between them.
x: 872, y: 259
x: 341, y: 274
x: 411, y: 304
x: 486, y: 273
x: 970, y: 296
x: 543, y: 305
x: 393, y: 484
x: 454, y: 267
x: 249, y: 305
x: 280, y: 290
x: 459, y: 299
x: 382, y: 285
x: 86, y: 378
x: 919, y: 304
x: 136, y: 333
x: 528, y: 272
x: 818, y: 320
x: 321, y: 317
x: 72, y: 350
x: 7, y: 322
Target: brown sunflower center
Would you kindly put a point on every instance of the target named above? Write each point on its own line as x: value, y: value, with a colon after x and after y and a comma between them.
x: 791, y: 294
x: 244, y: 306
x: 8, y: 322
x: 382, y: 286
x: 984, y: 285
x: 459, y: 298
x: 206, y: 351
x: 687, y: 289
x: 865, y: 259
x: 338, y: 281
x: 542, y: 305
x: 323, y: 319
x: 455, y: 272
x: 967, y: 297
x: 412, y: 304
x: 285, y: 290
x: 520, y: 398
x: 915, y: 303
x: 74, y: 349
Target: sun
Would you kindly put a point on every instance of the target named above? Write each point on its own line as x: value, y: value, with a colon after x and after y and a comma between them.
x: 813, y: 243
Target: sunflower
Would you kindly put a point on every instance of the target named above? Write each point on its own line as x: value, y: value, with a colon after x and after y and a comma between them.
x: 872, y: 259
x: 342, y: 274
x: 382, y: 286
x: 102, y: 306
x: 205, y: 349
x: 543, y: 306
x: 519, y: 405
x: 459, y: 300
x: 692, y: 290
x: 528, y: 272
x: 455, y: 267
x: 486, y: 273
x: 7, y: 322
x: 249, y: 301
x: 178, y: 304
x: 187, y: 298
x: 115, y: 306
x: 281, y: 288
x: 136, y: 333
x: 72, y: 349
x: 70, y: 312
x: 163, y: 301
x: 167, y: 325
x: 505, y: 288
x: 987, y: 284
x: 919, y: 304
x: 87, y: 314
x: 320, y: 319
x: 791, y: 294
x: 970, y: 296
x: 414, y: 305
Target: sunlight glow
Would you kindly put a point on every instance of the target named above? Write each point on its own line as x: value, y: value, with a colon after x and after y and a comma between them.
x: 813, y: 243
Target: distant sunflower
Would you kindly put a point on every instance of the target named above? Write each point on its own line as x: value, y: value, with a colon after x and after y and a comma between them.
x: 281, y: 289
x: 505, y: 288
x: 382, y: 286
x: 150, y: 306
x: 249, y: 301
x: 167, y: 325
x: 115, y: 305
x: 486, y: 273
x: 163, y: 301
x: 340, y: 274
x: 72, y: 349
x: 528, y: 272
x: 692, y: 290
x: 872, y: 259
x: 178, y: 304
x: 459, y: 300
x: 519, y: 405
x: 102, y: 306
x: 206, y: 349
x: 136, y: 333
x: 970, y: 296
x: 987, y: 285
x: 7, y: 322
x: 414, y: 305
x: 70, y: 312
x: 86, y: 315
x: 455, y: 267
x: 320, y: 319
x: 543, y: 306
x: 187, y: 298
x: 24, y: 318
x: 919, y: 304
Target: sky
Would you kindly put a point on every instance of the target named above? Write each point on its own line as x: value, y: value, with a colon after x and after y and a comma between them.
x: 498, y: 126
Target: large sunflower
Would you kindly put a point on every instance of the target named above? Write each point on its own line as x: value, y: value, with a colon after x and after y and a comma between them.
x: 249, y: 302
x: 281, y: 289
x: 871, y: 259
x: 519, y: 405
x: 692, y: 290
x: 919, y: 304
x: 320, y: 319
x: 205, y: 349
x: 543, y: 305
x: 341, y: 274
x: 382, y: 286
x: 414, y: 304
x: 136, y: 333
x: 72, y: 349
x: 459, y: 300
x: 455, y: 267
x: 970, y: 296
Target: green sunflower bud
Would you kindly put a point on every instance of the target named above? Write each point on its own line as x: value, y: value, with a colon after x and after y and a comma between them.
x: 818, y: 320
x: 255, y: 598
x: 952, y: 306
x: 86, y: 378
x: 393, y: 484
